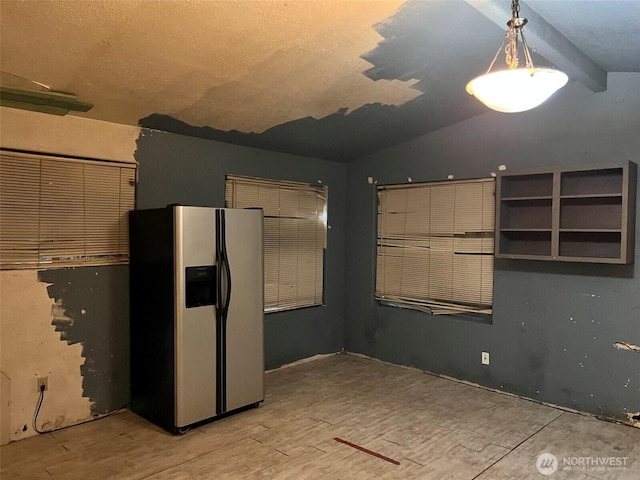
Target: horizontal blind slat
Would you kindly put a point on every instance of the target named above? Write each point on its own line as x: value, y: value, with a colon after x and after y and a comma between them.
x: 294, y: 237
x: 63, y: 211
x: 435, y: 245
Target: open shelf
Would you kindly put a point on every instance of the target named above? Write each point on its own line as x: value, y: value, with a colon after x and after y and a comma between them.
x: 529, y: 214
x: 591, y: 212
x: 590, y: 244
x: 535, y: 185
x: 531, y: 242
x: 592, y: 182
x: 578, y: 215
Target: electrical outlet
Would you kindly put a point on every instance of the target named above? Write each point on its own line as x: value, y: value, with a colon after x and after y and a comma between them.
x: 42, y: 382
x: 485, y: 358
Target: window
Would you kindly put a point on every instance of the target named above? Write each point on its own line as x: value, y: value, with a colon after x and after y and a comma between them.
x: 295, y: 237
x: 58, y: 211
x: 435, y: 246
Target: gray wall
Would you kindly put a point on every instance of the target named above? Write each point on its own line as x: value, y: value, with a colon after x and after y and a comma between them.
x: 95, y: 302
x: 554, y: 324
x: 191, y: 171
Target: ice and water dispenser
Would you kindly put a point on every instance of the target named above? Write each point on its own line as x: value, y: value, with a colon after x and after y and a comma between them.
x: 200, y: 286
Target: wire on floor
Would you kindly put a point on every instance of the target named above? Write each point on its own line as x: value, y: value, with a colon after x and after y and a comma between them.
x: 39, y: 405
x: 35, y: 415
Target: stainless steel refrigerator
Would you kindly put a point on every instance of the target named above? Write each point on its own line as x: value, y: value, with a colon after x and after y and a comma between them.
x: 197, y: 321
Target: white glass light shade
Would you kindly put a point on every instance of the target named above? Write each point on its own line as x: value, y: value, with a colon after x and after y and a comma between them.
x: 516, y: 90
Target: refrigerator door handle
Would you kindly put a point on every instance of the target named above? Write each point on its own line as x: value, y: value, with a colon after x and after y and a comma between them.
x: 227, y: 268
x: 218, y: 260
x: 221, y: 354
x: 227, y: 300
x: 222, y: 310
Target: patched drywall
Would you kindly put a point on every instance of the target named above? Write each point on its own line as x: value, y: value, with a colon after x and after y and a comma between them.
x: 31, y: 348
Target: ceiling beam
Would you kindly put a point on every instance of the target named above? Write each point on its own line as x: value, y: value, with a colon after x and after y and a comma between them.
x: 548, y: 42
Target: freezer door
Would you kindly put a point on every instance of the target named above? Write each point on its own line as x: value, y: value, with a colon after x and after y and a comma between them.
x: 195, y: 317
x: 245, y: 319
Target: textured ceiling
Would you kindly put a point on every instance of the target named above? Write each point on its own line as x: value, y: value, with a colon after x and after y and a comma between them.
x: 334, y: 79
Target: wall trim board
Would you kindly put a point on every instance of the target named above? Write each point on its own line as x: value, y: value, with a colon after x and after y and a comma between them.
x: 312, y: 358
x: 68, y: 136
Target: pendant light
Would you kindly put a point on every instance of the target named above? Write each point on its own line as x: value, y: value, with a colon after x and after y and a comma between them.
x: 516, y: 88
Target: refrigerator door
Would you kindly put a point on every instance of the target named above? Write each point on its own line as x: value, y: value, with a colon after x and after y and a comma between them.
x: 195, y: 322
x: 245, y: 317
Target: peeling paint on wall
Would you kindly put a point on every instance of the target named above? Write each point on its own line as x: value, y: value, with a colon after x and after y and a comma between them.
x: 30, y: 348
x: 91, y: 309
x: 634, y: 418
x: 627, y: 346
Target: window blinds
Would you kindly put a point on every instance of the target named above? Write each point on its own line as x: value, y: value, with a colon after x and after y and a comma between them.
x: 435, y: 246
x: 294, y: 237
x: 63, y: 212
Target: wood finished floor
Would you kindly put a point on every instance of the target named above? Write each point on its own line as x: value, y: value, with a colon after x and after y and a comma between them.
x: 435, y: 428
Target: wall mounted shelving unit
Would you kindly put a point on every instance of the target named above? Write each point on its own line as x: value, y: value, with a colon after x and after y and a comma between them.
x: 581, y: 214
